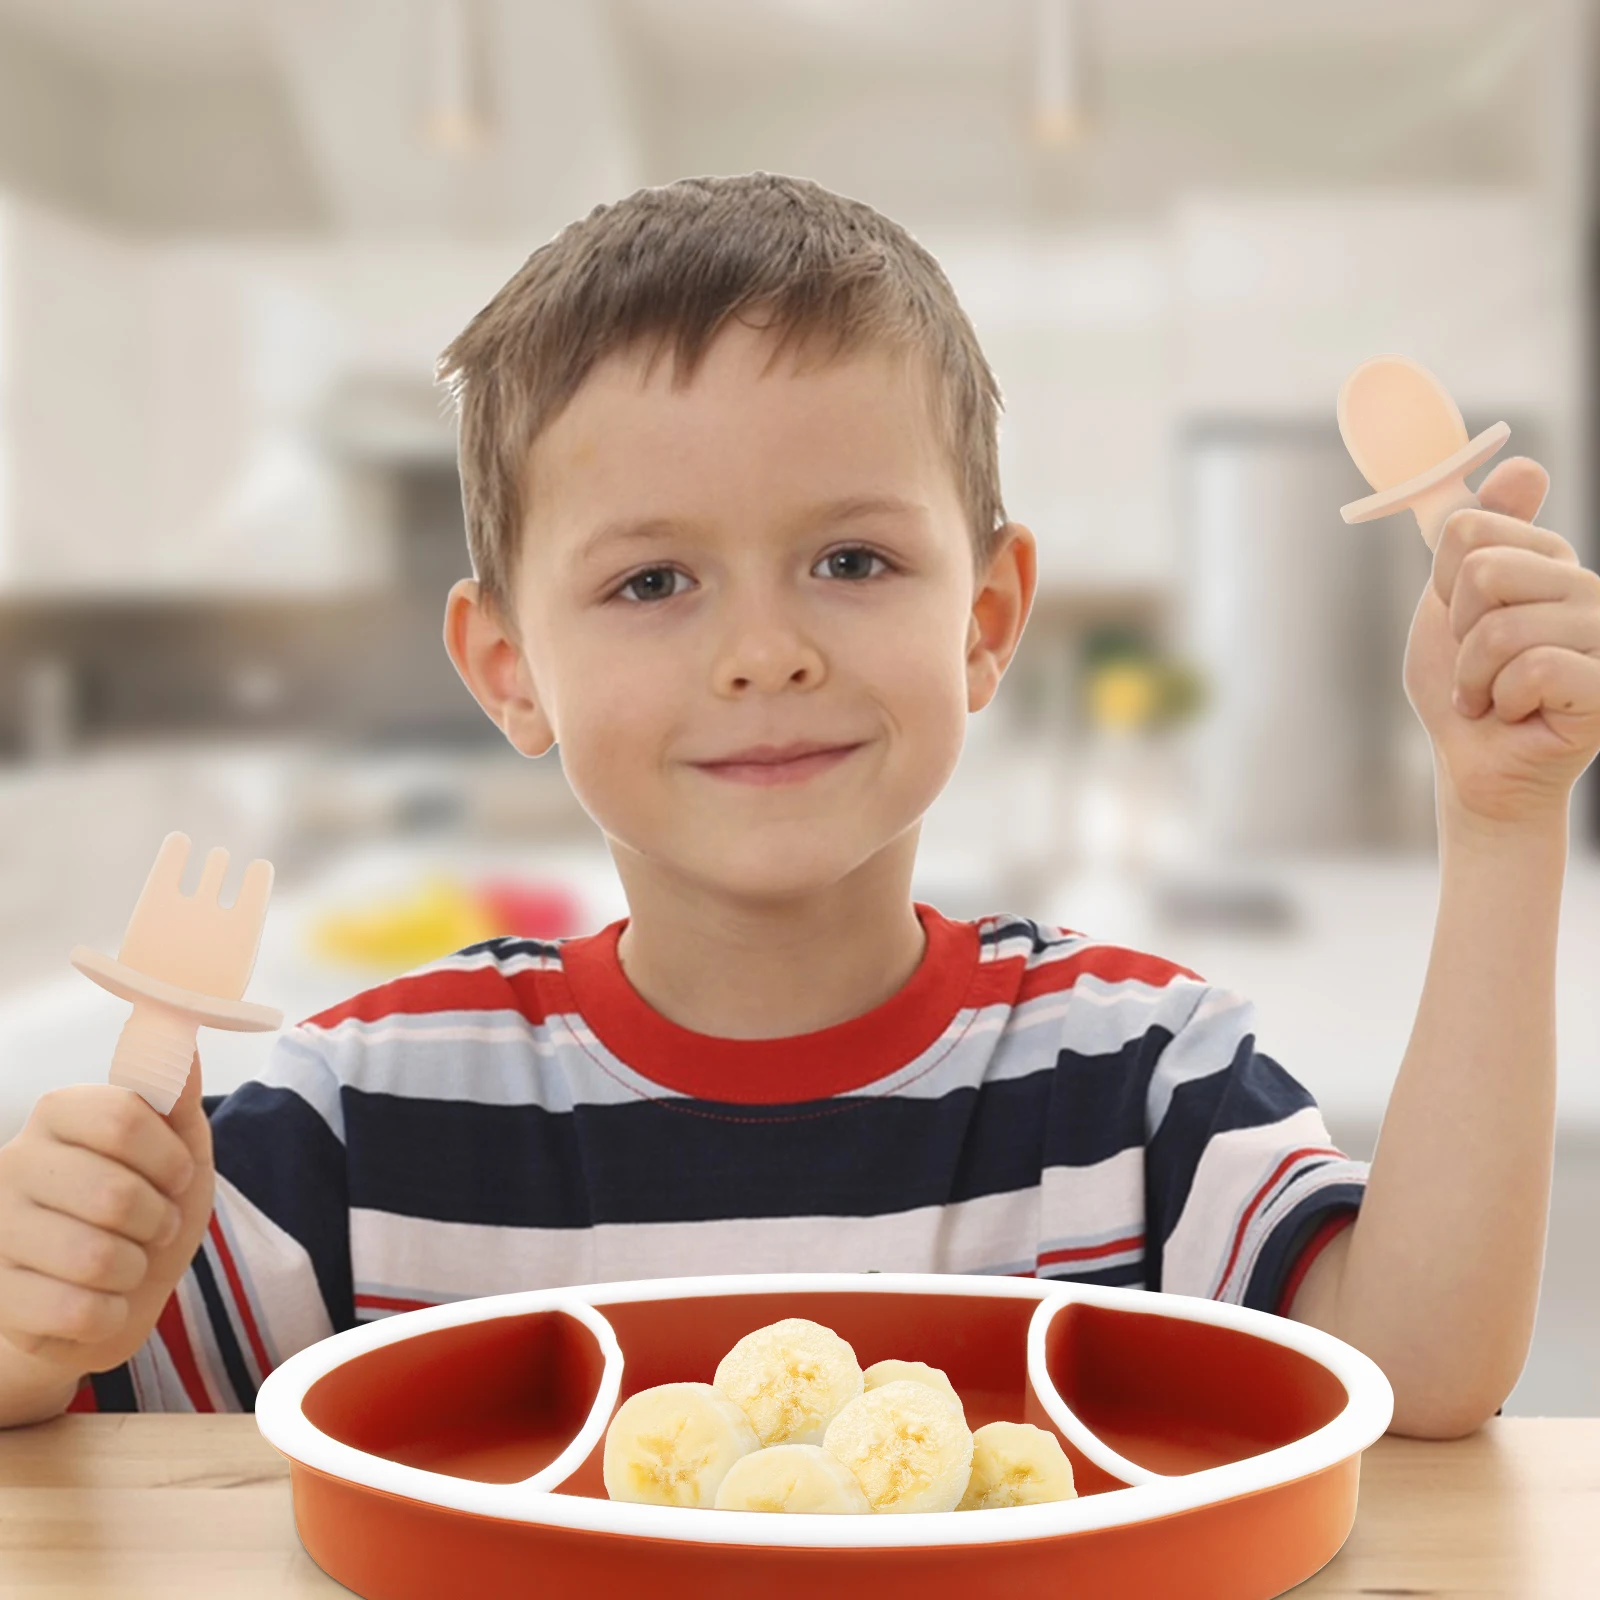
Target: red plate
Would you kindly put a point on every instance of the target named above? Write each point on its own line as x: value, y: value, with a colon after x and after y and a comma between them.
x: 456, y: 1450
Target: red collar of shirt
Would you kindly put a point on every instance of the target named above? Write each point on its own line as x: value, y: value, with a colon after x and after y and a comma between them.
x: 805, y: 1066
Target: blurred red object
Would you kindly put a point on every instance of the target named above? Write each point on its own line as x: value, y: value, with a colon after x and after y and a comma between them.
x: 531, y: 910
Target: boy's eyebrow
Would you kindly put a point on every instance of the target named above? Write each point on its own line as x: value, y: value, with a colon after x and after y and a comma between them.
x: 649, y: 528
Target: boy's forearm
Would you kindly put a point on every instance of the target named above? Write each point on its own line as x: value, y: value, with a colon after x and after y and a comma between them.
x: 1441, y: 1278
x: 31, y: 1390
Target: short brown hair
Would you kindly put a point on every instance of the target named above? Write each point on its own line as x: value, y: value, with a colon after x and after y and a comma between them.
x: 671, y: 265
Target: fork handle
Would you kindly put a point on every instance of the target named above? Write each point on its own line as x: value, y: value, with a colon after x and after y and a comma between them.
x: 154, y: 1052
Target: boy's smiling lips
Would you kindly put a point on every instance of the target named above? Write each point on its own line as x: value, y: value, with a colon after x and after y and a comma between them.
x: 771, y: 764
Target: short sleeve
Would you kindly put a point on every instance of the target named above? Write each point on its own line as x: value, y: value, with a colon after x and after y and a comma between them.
x: 1241, y: 1175
x: 272, y: 1274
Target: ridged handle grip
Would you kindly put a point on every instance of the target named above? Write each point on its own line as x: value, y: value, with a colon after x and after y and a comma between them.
x: 154, y: 1053
x: 1432, y: 510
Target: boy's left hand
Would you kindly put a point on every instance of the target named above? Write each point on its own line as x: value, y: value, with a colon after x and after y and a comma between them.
x: 1503, y: 662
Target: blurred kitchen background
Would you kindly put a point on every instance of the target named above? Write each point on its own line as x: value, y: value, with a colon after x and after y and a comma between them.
x: 235, y: 233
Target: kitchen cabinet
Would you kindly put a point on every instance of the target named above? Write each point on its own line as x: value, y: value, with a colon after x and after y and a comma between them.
x: 1110, y: 343
x: 158, y: 422
x: 76, y: 348
x: 1280, y: 296
x: 211, y: 418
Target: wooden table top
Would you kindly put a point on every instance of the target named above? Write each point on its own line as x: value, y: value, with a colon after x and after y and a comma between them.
x: 184, y: 1506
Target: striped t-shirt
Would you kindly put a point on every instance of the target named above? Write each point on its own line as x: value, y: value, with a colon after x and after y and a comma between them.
x: 515, y: 1116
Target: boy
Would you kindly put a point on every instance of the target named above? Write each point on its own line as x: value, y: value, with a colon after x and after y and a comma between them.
x: 728, y: 456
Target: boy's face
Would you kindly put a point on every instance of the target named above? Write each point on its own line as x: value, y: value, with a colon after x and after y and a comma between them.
x: 712, y: 575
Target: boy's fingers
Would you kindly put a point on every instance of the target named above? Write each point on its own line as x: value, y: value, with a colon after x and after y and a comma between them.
x: 101, y: 1192
x: 1517, y: 486
x: 1549, y: 679
x: 1467, y: 532
x: 40, y: 1307
x: 115, y: 1122
x: 58, y: 1246
x: 1497, y: 577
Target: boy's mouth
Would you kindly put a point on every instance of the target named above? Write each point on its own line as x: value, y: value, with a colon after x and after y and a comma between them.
x: 772, y: 764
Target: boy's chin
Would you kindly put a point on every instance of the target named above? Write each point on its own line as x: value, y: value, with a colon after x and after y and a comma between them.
x: 770, y: 874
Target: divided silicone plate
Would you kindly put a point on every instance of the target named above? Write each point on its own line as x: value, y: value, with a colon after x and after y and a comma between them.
x: 456, y: 1450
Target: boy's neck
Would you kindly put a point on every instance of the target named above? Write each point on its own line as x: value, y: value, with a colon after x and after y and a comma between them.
x: 742, y: 971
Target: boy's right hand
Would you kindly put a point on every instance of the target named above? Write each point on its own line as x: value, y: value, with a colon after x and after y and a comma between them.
x: 103, y: 1203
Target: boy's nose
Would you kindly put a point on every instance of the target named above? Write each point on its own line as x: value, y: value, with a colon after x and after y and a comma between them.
x: 767, y: 657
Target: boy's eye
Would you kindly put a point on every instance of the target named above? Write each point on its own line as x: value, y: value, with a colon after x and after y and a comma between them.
x: 854, y: 561
x: 654, y: 583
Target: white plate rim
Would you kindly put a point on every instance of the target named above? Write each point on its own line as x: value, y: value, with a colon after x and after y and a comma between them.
x: 1366, y: 1414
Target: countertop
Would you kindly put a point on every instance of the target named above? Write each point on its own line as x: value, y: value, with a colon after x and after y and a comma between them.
x: 168, y: 1507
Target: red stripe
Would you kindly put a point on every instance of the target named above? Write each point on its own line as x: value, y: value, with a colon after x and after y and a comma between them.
x: 1089, y: 1252
x: 1109, y: 963
x: 246, y: 1316
x: 1255, y: 1204
x: 384, y: 1302
x: 537, y: 992
x: 1315, y: 1245
x: 480, y: 989
x: 173, y: 1335
x: 84, y: 1399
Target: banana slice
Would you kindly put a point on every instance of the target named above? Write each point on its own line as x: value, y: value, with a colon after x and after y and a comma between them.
x: 882, y: 1372
x: 1016, y: 1464
x: 790, y: 1477
x: 673, y: 1445
x: 790, y: 1379
x: 907, y: 1445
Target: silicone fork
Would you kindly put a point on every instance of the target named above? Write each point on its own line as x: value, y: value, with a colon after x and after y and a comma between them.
x: 1406, y: 435
x: 184, y: 961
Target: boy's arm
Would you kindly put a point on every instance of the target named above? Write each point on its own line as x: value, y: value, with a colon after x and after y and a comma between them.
x: 1438, y: 1278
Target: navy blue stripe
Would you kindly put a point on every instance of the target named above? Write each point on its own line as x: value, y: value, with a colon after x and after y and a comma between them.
x: 113, y: 1390
x: 505, y: 945
x: 288, y: 1162
x: 644, y: 1161
x: 1253, y: 1091
x: 1097, y: 1108
x: 222, y: 1331
x: 1009, y: 928
x: 1290, y: 1235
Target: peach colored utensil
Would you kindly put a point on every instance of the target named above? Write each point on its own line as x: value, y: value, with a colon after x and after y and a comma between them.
x: 184, y: 961
x: 1406, y: 435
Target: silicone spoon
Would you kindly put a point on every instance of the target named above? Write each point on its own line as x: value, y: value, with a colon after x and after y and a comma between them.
x: 1406, y: 435
x: 183, y: 961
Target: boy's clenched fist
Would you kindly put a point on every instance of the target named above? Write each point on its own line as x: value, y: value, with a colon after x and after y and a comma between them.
x: 103, y: 1203
x: 1503, y: 662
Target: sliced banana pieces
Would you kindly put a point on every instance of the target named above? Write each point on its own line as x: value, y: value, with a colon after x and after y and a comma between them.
x: 790, y: 1379
x: 1016, y: 1464
x: 792, y: 1424
x: 907, y: 1445
x: 882, y: 1372
x: 673, y: 1445
x: 791, y: 1477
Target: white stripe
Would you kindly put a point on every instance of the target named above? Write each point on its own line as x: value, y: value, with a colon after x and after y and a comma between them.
x: 277, y: 1275
x: 1304, y: 1180
x: 451, y: 1259
x: 1204, y: 1043
x: 157, y: 1386
x: 560, y: 1064
x: 296, y: 1062
x: 1085, y: 1205
x: 480, y: 960
x: 1231, y: 1169
x: 203, y: 1345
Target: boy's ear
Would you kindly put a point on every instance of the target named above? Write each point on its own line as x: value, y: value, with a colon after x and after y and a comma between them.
x: 493, y: 667
x: 999, y: 608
